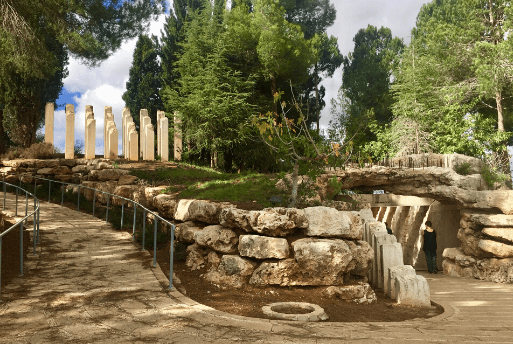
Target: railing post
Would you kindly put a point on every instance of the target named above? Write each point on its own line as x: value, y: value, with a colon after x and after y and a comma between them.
x: 144, y: 230
x: 4, y: 192
x: 26, y: 203
x: 171, y: 252
x: 78, y: 206
x: 1, y: 268
x: 38, y: 220
x: 155, y: 242
x: 107, y: 214
x: 94, y: 200
x: 49, y: 189
x: 21, y: 248
x: 16, y: 209
x: 135, y: 218
x: 122, y: 212
x: 35, y: 180
x: 34, y: 232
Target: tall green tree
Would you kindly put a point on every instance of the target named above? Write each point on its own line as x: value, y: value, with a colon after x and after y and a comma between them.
x: 212, y: 99
x: 460, y: 58
x: 366, y: 78
x: 144, y: 83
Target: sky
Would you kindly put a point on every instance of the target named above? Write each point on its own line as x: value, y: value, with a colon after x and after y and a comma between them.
x: 104, y: 85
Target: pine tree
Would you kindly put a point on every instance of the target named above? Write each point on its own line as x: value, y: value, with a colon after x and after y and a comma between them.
x: 144, y: 83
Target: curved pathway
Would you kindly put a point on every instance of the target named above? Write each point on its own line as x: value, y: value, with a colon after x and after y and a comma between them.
x: 91, y: 284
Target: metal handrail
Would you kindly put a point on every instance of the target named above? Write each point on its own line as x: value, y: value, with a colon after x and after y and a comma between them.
x: 135, y: 205
x: 34, y: 213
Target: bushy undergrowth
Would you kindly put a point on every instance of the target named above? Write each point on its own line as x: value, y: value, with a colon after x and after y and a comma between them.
x: 41, y: 150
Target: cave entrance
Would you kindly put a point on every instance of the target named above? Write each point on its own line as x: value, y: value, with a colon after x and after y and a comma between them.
x: 406, y: 216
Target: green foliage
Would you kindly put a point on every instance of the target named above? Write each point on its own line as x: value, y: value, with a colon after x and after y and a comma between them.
x: 464, y: 168
x: 334, y: 187
x: 493, y: 175
x: 78, y: 148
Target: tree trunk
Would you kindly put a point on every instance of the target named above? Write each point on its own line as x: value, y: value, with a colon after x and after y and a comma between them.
x: 293, y: 196
x: 316, y: 98
x: 228, y: 160
x: 273, y: 90
x: 504, y: 158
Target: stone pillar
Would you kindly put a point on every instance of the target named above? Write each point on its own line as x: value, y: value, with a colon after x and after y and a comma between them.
x: 371, y: 229
x: 379, y: 240
x: 164, y: 139
x: 412, y: 291
x: 396, y: 271
x: 129, y: 121
x: 49, y: 113
x: 178, y: 139
x: 124, y: 139
x: 89, y: 116
x: 150, y: 143
x: 107, y: 117
x: 144, y: 119
x: 160, y: 115
x: 90, y: 134
x: 133, y: 147
x: 69, y: 152
x: 113, y: 142
x: 391, y: 255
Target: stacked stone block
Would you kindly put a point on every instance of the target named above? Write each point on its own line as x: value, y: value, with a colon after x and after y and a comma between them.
x: 110, y: 135
x: 163, y: 136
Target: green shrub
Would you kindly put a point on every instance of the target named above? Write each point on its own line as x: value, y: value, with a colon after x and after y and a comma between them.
x: 464, y: 169
x: 491, y: 175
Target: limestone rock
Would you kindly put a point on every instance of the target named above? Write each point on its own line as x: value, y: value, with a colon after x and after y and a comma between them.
x: 217, y: 238
x: 238, y: 218
x: 213, y: 259
x: 495, y: 270
x: 45, y: 171
x: 196, y: 257
x: 498, y: 249
x: 470, y: 243
x: 81, y: 169
x: 396, y: 271
x: 166, y: 205
x: 494, y: 220
x: 504, y: 233
x: 285, y: 272
x: 273, y: 224
x: 63, y: 177
x: 412, y: 291
x: 362, y: 258
x: 127, y: 180
x: 262, y: 247
x: 61, y: 170
x: 187, y: 230
x: 329, y: 222
x: 454, y: 270
x: 149, y: 193
x: 322, y: 261
x: 193, y: 210
x: 233, y: 272
x: 125, y: 191
x: 108, y: 174
x: 458, y: 257
x: 295, y: 215
x: 360, y: 293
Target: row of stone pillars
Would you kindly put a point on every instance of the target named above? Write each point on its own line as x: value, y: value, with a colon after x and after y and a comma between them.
x: 132, y: 148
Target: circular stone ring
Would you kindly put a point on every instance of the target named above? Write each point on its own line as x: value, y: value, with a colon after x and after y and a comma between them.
x: 315, y: 312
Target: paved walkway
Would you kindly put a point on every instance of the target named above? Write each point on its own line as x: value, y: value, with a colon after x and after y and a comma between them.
x: 88, y: 284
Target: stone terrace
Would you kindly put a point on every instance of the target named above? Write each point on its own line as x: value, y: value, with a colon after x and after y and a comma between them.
x: 90, y: 283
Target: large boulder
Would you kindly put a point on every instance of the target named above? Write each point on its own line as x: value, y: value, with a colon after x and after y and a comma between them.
x: 262, y: 247
x: 362, y: 254
x: 166, y: 205
x: 458, y: 257
x: 454, y: 270
x: 295, y: 215
x: 232, y: 272
x: 492, y: 220
x: 126, y: 191
x: 329, y: 222
x: 503, y: 233
x: 108, y: 174
x: 359, y: 293
x: 193, y: 210
x: 470, y: 243
x: 498, y: 249
x: 217, y: 238
x: 187, y: 230
x: 273, y: 224
x: 197, y: 257
x: 238, y: 218
x: 127, y: 180
x: 495, y: 270
x: 284, y: 272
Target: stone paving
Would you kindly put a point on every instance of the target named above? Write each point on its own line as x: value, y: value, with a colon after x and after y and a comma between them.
x: 91, y: 284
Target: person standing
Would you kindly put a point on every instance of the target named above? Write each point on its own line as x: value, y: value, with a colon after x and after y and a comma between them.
x: 430, y: 247
x: 389, y: 231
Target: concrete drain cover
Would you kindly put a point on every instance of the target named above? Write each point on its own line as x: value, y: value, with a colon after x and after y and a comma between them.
x: 299, y: 311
